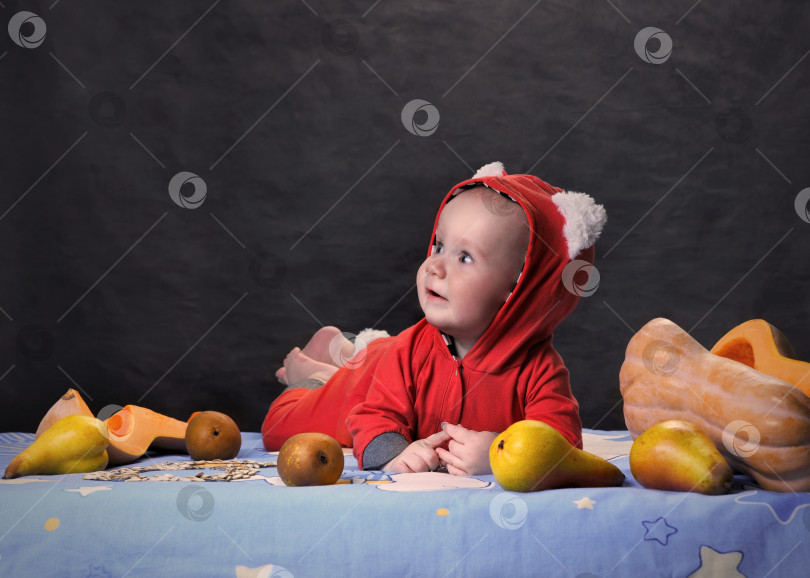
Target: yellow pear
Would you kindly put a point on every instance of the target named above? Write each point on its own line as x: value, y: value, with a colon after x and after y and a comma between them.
x: 675, y: 455
x: 75, y: 443
x: 531, y: 455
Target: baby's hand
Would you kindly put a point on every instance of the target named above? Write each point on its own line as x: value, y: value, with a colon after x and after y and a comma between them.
x: 420, y: 456
x: 467, y: 454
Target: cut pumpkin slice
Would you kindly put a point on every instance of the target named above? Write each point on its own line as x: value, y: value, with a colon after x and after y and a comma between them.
x: 69, y: 404
x: 134, y: 429
x: 760, y: 345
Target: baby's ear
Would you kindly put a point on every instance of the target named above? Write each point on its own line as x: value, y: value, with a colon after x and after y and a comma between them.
x: 584, y: 220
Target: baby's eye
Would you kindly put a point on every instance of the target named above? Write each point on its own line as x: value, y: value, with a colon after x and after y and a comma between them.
x: 466, y: 258
x: 437, y: 248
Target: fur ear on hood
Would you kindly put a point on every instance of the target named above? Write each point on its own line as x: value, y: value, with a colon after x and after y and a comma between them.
x: 490, y: 170
x: 584, y: 220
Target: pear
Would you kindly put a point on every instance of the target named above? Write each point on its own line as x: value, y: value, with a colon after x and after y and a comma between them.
x: 676, y: 455
x: 212, y: 435
x: 310, y: 459
x: 75, y: 443
x: 531, y: 455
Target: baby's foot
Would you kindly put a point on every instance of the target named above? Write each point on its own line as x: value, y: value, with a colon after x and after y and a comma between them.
x: 299, y: 365
x: 318, y: 346
x: 341, y: 350
x: 281, y: 375
x: 281, y: 372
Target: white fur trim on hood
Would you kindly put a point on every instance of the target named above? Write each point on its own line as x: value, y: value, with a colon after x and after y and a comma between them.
x: 367, y: 336
x: 490, y: 170
x: 584, y: 220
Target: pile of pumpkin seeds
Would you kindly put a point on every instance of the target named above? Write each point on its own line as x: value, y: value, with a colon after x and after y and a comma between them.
x: 233, y: 470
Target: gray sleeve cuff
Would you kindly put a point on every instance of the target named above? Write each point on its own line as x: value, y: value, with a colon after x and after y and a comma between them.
x: 382, y: 449
x: 308, y: 383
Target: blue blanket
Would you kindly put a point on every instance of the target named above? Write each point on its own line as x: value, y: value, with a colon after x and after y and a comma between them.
x: 378, y: 524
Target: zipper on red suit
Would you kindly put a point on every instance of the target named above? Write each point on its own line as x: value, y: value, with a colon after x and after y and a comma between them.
x: 459, y: 367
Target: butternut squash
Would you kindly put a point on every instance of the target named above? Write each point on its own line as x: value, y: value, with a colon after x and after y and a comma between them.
x: 69, y: 404
x: 760, y: 345
x: 135, y: 429
x: 759, y: 423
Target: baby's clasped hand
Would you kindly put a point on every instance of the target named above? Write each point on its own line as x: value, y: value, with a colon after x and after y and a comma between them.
x: 419, y: 456
x: 467, y: 454
x: 463, y: 451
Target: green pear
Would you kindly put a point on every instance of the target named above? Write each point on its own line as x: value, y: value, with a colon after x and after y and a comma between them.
x: 75, y: 443
x: 675, y: 455
x: 531, y: 455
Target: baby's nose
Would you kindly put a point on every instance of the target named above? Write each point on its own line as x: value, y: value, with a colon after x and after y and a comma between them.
x: 435, y: 265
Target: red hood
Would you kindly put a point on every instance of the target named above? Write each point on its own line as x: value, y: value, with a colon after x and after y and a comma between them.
x: 540, y: 301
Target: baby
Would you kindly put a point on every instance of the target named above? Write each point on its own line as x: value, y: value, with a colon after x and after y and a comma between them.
x: 495, y: 284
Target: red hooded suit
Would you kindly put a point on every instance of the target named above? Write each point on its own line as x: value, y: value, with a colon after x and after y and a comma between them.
x: 411, y: 383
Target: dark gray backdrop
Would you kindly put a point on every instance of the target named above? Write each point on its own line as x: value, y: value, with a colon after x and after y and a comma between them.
x: 319, y: 199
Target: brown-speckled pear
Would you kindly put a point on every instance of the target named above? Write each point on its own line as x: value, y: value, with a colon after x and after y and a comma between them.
x: 675, y: 455
x: 531, y: 455
x: 75, y: 443
x: 310, y: 459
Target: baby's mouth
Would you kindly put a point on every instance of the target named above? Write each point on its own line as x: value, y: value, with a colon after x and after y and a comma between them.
x: 432, y: 293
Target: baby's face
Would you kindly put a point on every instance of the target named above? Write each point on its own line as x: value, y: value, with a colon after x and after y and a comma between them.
x: 474, y: 264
